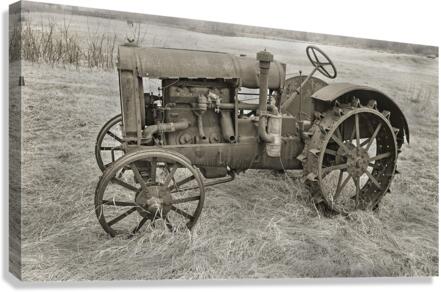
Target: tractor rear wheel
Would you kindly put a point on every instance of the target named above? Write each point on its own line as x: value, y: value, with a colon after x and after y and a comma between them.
x: 351, y: 157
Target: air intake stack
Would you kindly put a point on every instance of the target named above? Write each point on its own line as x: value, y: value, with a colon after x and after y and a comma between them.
x: 270, y: 124
x: 265, y: 58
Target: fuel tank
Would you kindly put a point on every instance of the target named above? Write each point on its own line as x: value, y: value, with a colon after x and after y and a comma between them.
x: 167, y: 63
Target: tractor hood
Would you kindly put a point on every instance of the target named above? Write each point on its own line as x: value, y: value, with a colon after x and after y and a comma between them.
x: 165, y: 63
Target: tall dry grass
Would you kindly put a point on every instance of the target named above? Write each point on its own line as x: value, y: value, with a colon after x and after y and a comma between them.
x: 100, y: 51
x: 262, y: 225
x: 15, y: 43
x: 48, y: 43
x: 53, y: 43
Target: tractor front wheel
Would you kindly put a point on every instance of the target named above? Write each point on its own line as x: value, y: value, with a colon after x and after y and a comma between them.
x: 108, y: 142
x: 149, y: 185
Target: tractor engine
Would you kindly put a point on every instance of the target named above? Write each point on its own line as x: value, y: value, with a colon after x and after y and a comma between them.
x: 219, y: 110
x: 194, y: 105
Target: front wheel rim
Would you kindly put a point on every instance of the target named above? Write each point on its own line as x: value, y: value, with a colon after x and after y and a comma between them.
x: 171, y: 196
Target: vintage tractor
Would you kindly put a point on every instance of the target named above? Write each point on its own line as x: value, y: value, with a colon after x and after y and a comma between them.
x: 188, y: 121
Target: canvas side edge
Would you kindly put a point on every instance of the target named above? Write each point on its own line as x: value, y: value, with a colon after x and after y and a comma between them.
x: 15, y: 141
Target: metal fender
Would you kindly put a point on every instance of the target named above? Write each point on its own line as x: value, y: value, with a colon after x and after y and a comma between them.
x: 346, y: 91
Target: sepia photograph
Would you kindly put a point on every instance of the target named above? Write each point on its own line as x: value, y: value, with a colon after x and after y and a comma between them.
x: 147, y: 147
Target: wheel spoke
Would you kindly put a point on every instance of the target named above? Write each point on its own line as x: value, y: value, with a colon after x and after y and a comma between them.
x: 328, y: 169
x: 357, y: 190
x: 362, y: 144
x: 185, y: 200
x: 113, y: 156
x: 122, y: 172
x: 339, y: 136
x: 340, y: 143
x: 339, y: 189
x: 331, y: 152
x: 340, y: 178
x: 182, y: 182
x: 170, y: 174
x: 168, y: 224
x: 181, y: 212
x: 138, y: 176
x: 108, y: 148
x: 122, y: 216
x: 357, y: 130
x: 140, y: 224
x: 352, y: 134
x: 119, y: 204
x: 373, y: 179
x: 374, y: 135
x: 380, y: 156
x: 153, y: 166
x: 114, y: 136
x: 185, y: 189
x: 124, y: 184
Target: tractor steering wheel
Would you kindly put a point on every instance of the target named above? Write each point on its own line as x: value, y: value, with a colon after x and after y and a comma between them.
x: 318, y: 64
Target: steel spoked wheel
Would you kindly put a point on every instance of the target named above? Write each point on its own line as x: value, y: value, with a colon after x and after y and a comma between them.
x: 156, y: 186
x: 351, y: 158
x: 108, y: 143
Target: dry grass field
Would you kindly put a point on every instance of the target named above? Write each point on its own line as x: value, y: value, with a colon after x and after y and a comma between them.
x: 263, y: 224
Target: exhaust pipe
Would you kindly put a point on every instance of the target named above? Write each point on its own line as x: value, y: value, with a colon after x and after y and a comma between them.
x: 227, y: 126
x: 164, y: 127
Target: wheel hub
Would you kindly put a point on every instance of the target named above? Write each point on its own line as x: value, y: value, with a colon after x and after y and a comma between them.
x: 154, y: 201
x: 358, y: 161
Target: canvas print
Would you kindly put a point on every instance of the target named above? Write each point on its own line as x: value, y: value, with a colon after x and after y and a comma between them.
x: 151, y: 147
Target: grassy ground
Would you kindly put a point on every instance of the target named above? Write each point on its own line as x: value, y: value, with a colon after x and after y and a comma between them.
x: 268, y: 231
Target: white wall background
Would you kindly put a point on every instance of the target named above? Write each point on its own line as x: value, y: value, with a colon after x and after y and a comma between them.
x: 402, y: 21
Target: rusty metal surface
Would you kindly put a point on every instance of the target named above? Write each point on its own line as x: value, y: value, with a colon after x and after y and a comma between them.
x: 195, y: 122
x: 301, y: 107
x: 365, y: 93
x: 131, y: 102
x: 179, y: 63
x: 182, y: 96
x: 339, y: 150
x: 334, y: 90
